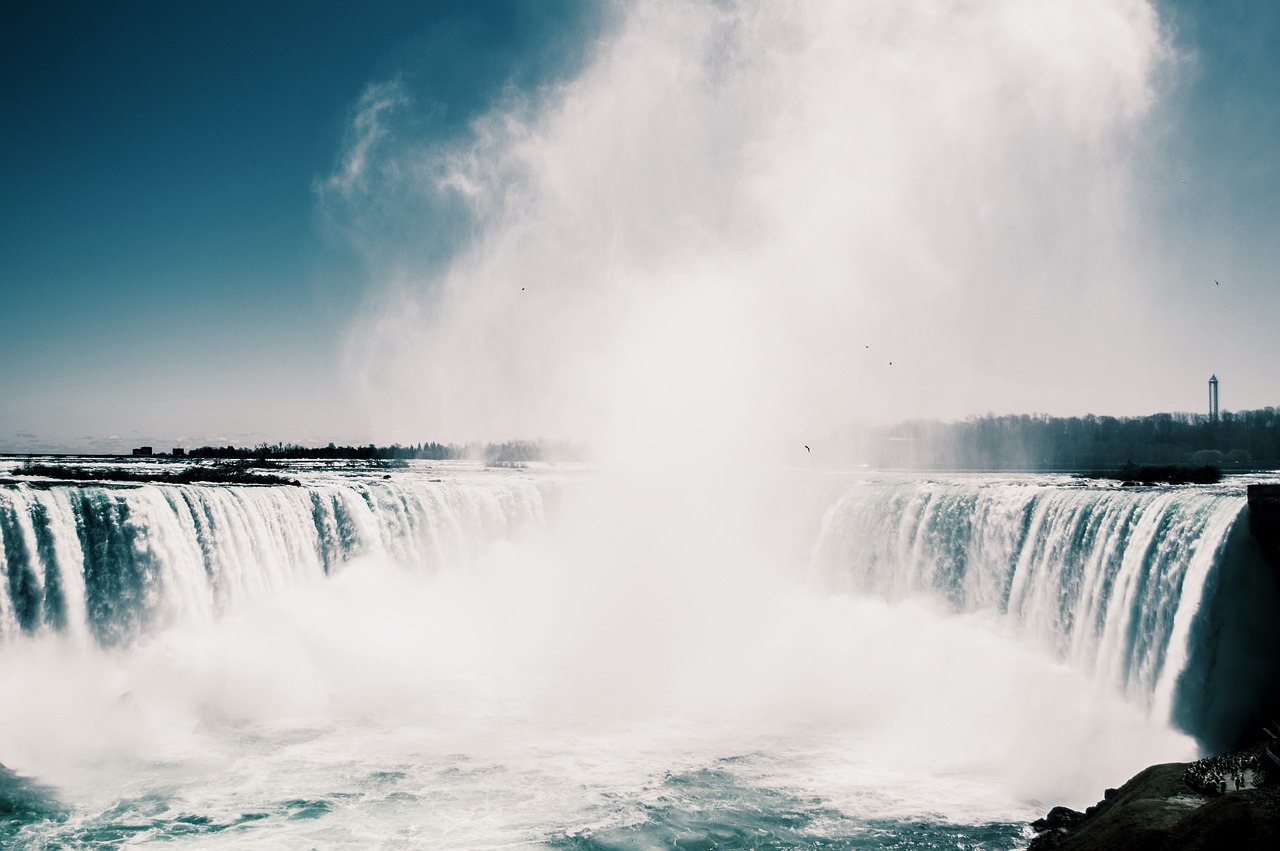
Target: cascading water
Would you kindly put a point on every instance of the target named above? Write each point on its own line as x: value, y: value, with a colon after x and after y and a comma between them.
x: 116, y: 561
x: 463, y: 658
x: 1108, y: 579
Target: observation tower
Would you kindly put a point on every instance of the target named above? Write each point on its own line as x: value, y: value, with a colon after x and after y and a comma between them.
x: 1213, y: 398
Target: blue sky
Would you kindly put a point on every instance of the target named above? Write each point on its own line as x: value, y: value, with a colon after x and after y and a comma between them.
x: 1223, y: 115
x: 172, y: 270
x: 163, y: 268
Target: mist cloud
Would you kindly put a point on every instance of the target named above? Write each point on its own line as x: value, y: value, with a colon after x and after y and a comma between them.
x: 369, y: 127
x: 732, y: 221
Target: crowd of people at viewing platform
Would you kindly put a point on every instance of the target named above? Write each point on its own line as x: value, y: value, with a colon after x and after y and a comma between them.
x: 1216, y: 775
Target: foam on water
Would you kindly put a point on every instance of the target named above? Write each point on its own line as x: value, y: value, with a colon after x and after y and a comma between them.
x: 598, y: 676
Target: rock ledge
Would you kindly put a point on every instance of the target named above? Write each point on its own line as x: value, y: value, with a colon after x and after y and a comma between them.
x: 1158, y: 811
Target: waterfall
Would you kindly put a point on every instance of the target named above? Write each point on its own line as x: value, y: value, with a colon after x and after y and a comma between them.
x: 1153, y: 593
x: 898, y: 652
x: 109, y: 563
x: 1113, y: 581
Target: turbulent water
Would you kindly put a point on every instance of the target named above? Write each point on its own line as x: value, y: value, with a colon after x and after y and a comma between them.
x: 446, y: 656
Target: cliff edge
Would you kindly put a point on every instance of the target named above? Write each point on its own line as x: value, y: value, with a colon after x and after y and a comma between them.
x: 1264, y: 520
x: 1159, y: 810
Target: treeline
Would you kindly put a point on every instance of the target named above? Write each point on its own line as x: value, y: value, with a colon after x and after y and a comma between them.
x: 510, y: 452
x: 1240, y: 440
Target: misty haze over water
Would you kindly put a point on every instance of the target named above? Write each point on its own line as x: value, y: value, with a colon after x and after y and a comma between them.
x: 722, y: 245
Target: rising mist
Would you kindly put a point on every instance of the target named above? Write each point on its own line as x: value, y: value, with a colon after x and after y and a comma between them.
x: 749, y: 222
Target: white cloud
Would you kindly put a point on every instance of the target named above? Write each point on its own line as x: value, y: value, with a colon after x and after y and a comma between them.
x: 368, y: 130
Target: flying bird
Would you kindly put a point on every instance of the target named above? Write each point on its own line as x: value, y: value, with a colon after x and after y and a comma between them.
x: 1216, y: 284
x: 806, y: 448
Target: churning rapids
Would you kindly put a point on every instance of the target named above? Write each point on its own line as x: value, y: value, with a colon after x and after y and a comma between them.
x: 451, y: 657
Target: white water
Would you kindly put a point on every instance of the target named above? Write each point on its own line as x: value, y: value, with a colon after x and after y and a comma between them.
x: 1108, y: 579
x: 521, y: 658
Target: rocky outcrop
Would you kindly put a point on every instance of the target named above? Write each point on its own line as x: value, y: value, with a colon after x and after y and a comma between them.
x: 1264, y: 519
x: 1059, y: 818
x: 1158, y: 811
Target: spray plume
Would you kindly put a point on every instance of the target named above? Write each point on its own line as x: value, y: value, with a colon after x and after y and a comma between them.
x: 727, y: 225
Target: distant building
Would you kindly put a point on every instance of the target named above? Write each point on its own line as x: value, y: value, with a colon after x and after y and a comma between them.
x: 1213, y: 398
x: 143, y: 452
x: 178, y: 452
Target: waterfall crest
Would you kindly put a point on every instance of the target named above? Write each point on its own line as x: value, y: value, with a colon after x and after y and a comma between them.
x: 109, y: 563
x: 1109, y: 579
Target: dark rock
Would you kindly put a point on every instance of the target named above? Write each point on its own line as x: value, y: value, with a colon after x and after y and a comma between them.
x: 1137, y: 817
x: 1157, y: 811
x: 1264, y: 519
x: 1245, y: 819
x: 1172, y: 474
x: 1058, y: 817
